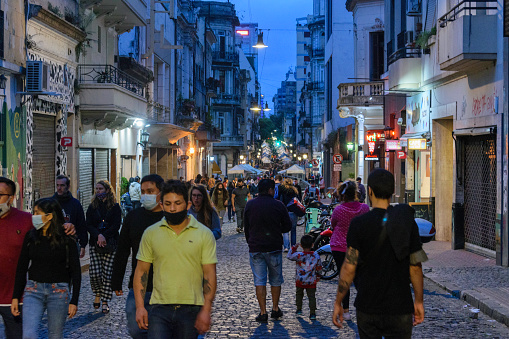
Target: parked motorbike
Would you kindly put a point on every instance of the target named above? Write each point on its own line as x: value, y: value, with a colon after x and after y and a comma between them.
x: 323, y: 238
x: 329, y: 268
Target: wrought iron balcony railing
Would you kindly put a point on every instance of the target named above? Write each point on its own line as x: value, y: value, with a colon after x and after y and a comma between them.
x: 405, y: 52
x: 107, y: 74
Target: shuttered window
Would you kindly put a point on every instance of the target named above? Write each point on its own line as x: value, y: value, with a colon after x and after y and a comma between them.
x: 431, y: 16
x: 102, y: 168
x: 43, y: 175
x: 2, y: 34
x: 86, y: 178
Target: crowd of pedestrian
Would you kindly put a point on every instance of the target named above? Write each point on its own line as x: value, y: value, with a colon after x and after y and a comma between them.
x: 171, y: 234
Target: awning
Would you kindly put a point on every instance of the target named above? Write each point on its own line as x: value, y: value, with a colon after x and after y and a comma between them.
x: 166, y: 134
x: 417, y: 135
x: 475, y: 131
x: 216, y: 169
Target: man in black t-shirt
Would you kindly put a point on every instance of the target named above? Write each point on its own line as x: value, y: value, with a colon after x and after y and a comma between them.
x: 383, y: 248
x: 135, y: 223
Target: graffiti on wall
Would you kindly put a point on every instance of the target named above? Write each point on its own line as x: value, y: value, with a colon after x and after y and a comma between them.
x: 61, y: 81
x: 484, y: 104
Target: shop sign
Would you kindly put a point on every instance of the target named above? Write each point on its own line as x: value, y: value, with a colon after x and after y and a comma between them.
x: 371, y: 146
x: 401, y: 155
x: 417, y: 144
x: 374, y: 136
x: 392, y: 145
x: 371, y: 157
x: 66, y: 142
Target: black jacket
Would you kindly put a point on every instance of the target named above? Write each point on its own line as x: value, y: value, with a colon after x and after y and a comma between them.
x: 112, y: 217
x: 74, y: 211
x: 265, y: 221
x: 135, y: 223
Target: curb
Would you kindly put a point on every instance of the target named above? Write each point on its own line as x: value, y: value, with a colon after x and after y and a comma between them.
x: 489, y: 306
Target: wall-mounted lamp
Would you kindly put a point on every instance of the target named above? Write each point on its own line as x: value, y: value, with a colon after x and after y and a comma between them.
x: 3, y: 81
x: 144, y: 139
x: 191, y: 150
x: 349, y: 146
x: 305, y: 156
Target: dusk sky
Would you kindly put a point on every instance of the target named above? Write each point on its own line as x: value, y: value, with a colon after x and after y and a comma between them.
x: 278, y: 16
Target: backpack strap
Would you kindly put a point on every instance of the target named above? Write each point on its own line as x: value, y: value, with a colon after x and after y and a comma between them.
x: 381, y: 239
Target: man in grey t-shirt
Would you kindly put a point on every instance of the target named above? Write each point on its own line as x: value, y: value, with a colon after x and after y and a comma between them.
x: 240, y: 196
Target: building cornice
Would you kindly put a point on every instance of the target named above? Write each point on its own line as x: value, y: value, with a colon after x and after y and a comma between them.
x: 48, y: 18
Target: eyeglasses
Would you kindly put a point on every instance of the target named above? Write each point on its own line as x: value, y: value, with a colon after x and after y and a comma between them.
x: 3, y: 194
x: 197, y: 195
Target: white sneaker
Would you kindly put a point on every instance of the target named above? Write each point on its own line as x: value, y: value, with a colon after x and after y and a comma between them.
x: 347, y: 316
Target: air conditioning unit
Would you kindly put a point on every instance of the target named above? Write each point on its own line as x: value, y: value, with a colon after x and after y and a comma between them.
x: 37, y: 76
x: 409, y: 37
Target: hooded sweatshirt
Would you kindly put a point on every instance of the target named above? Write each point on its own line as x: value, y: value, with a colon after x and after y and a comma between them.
x: 340, y: 222
x: 135, y: 191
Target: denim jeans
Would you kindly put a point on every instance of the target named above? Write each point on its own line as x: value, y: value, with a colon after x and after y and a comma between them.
x: 12, y: 324
x: 40, y: 297
x: 263, y: 262
x: 374, y: 326
x: 130, y: 310
x: 240, y: 217
x: 286, y: 236
x: 172, y: 321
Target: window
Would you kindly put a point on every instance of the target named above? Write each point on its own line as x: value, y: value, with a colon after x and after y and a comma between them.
x: 99, y: 42
x: 307, y: 34
x: 307, y: 58
x: 304, y: 70
x: 376, y: 52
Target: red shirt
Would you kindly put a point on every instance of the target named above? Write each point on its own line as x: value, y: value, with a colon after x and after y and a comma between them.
x: 13, y: 228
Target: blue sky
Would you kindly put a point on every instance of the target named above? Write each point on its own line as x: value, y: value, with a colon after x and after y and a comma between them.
x: 279, y: 17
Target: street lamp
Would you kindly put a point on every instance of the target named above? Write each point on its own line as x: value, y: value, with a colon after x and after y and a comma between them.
x: 299, y: 158
x: 241, y: 157
x: 305, y: 156
x: 191, y: 150
x: 144, y: 139
x: 266, y: 107
x: 260, y: 43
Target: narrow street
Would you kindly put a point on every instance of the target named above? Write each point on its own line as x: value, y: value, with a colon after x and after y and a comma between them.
x: 236, y: 307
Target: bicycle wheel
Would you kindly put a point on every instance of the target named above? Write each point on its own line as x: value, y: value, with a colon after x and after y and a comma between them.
x: 320, y: 241
x: 329, y: 267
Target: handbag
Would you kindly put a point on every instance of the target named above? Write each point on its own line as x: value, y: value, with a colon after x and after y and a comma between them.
x: 295, y: 206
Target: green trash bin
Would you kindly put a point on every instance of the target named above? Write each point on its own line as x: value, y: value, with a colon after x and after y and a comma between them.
x: 312, y: 218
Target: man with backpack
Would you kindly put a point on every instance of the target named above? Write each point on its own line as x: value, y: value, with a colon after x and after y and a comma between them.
x: 384, y: 255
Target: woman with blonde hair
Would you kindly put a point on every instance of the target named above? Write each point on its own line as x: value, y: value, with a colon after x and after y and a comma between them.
x: 103, y: 223
x: 211, y: 185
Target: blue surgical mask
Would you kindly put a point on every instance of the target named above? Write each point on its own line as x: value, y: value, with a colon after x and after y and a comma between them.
x: 37, y: 221
x: 149, y: 201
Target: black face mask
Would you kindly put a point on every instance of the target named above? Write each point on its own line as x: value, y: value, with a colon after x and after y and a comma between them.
x: 175, y: 218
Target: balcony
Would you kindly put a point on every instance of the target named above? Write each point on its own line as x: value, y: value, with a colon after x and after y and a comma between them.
x: 131, y: 67
x: 231, y: 141
x: 316, y: 86
x: 467, y: 36
x: 209, y: 133
x: 361, y: 93
x: 225, y: 58
x: 226, y: 99
x: 317, y: 53
x: 405, y: 69
x: 110, y: 98
x: 122, y: 15
x: 158, y: 112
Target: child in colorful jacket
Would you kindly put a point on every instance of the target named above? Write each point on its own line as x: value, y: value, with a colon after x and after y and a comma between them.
x: 308, y: 270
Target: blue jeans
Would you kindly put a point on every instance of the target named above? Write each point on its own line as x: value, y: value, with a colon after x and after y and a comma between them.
x: 286, y: 236
x: 130, y: 311
x: 261, y: 262
x: 172, y: 321
x: 12, y: 324
x: 40, y: 297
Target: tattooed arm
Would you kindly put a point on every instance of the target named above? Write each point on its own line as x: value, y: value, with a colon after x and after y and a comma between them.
x: 202, y: 323
x: 345, y: 280
x: 140, y: 282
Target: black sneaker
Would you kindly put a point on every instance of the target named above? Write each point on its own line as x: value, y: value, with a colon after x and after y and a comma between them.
x: 298, y: 312
x: 276, y: 314
x: 312, y: 316
x: 262, y: 318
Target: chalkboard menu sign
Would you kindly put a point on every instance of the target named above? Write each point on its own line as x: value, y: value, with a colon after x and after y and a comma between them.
x: 424, y: 210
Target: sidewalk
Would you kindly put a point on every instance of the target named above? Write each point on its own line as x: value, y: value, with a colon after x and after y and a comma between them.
x: 470, y: 277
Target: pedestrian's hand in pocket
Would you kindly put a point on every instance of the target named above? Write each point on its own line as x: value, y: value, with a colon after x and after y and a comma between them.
x: 72, y: 310
x: 119, y: 293
x: 14, y: 307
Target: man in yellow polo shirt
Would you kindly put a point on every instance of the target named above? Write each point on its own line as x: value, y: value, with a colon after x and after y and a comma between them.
x: 183, y: 254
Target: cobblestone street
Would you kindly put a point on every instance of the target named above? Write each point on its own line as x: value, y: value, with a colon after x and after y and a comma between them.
x: 236, y: 307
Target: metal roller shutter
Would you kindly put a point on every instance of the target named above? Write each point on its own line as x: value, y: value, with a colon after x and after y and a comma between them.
x: 480, y: 154
x: 102, y: 168
x: 43, y: 177
x: 86, y: 178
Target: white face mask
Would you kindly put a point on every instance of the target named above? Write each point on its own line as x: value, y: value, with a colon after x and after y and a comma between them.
x: 149, y: 201
x: 4, y: 208
x: 37, y: 221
